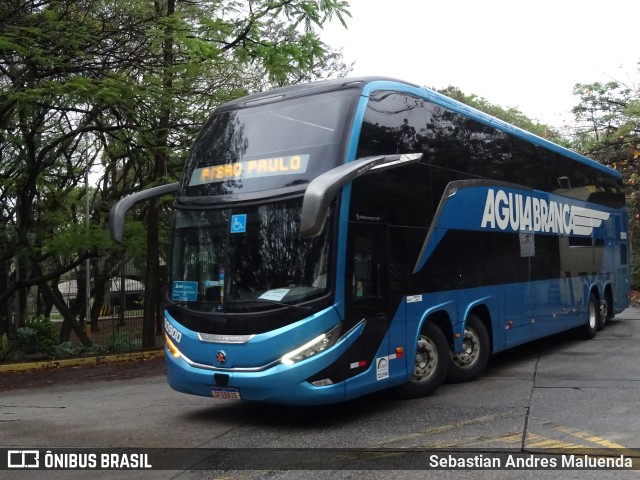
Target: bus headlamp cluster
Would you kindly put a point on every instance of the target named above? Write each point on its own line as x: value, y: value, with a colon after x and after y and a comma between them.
x: 171, y: 346
x: 313, y: 347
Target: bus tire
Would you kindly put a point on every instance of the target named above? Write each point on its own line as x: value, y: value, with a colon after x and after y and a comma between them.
x: 590, y: 328
x: 609, y: 297
x: 431, y: 363
x: 606, y: 309
x: 471, y: 362
x: 602, y: 315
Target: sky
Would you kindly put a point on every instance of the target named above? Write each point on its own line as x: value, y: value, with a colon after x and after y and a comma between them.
x: 519, y: 53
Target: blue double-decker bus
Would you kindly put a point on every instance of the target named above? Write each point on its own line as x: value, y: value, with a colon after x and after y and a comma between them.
x: 337, y: 238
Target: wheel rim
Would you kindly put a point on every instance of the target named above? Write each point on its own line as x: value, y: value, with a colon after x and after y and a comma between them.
x: 426, y: 360
x: 604, y: 310
x: 470, y: 350
x: 592, y: 315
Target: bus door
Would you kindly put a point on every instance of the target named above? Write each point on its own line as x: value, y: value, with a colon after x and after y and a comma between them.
x: 367, y: 291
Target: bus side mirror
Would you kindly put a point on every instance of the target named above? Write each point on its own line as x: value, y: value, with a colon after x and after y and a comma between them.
x: 324, y: 188
x: 116, y: 215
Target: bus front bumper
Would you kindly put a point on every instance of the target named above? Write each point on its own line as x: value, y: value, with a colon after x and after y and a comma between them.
x: 279, y: 384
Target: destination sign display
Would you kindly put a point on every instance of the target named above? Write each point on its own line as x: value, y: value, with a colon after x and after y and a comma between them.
x: 266, y: 167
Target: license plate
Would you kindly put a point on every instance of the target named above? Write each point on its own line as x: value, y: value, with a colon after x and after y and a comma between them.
x: 227, y: 393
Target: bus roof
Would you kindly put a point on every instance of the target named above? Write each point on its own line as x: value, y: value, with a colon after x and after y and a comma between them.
x: 300, y: 90
x: 366, y: 85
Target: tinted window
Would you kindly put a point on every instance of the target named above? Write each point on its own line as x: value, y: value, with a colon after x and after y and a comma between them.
x: 394, y: 123
x: 469, y: 259
x: 457, y: 148
x: 246, y: 258
x: 270, y: 146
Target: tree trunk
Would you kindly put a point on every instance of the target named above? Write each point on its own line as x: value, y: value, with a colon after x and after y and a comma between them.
x: 152, y: 311
x: 4, y: 306
x: 81, y: 294
x: 101, y: 278
x: 52, y: 294
x: 45, y: 305
x: 20, y: 305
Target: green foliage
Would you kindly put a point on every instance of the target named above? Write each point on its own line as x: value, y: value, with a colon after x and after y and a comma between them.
x: 604, y: 120
x: 65, y: 350
x: 122, y: 87
x: 92, y: 351
x: 608, y: 130
x: 36, y: 339
x: 125, y: 341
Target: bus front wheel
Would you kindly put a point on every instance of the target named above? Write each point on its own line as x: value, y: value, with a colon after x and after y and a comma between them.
x: 431, y: 363
x: 471, y: 361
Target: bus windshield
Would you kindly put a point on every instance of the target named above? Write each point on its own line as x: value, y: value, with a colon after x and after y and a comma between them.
x: 268, y: 146
x: 246, y: 259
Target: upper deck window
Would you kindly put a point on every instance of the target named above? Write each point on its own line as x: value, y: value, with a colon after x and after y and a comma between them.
x: 457, y: 147
x: 269, y: 146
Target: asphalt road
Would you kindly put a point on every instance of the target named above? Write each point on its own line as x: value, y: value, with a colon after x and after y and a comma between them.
x: 558, y: 393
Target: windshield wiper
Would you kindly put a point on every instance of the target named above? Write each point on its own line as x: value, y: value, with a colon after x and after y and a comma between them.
x: 189, y: 304
x: 271, y: 302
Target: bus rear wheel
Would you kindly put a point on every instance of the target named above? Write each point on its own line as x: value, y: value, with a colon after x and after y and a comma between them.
x: 590, y: 328
x: 431, y: 363
x: 472, y: 360
x: 606, y: 309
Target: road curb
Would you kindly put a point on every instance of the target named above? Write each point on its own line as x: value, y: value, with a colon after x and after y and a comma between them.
x: 74, y: 362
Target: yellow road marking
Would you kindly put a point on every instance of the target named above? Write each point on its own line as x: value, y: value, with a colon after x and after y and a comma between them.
x: 590, y: 438
x: 444, y: 428
x: 508, y: 438
x: 538, y: 441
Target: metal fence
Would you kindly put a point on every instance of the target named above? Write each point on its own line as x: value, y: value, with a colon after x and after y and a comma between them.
x: 116, y: 325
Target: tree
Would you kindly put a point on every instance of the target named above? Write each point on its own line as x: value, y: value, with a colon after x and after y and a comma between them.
x: 123, y: 85
x: 44, y: 116
x: 607, y: 125
x: 608, y: 130
x: 204, y: 54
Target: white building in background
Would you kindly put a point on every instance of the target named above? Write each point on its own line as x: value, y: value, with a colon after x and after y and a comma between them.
x: 133, y: 290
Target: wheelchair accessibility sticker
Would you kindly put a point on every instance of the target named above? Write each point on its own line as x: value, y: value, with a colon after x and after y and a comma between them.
x: 239, y: 223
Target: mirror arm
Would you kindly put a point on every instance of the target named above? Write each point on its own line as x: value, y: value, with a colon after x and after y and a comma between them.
x: 324, y: 188
x: 116, y: 215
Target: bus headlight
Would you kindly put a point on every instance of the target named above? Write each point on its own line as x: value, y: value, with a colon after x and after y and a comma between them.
x: 313, y: 347
x: 171, y: 346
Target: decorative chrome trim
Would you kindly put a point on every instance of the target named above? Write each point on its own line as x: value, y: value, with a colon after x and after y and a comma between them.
x: 216, y: 338
x: 261, y: 368
x: 234, y: 369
